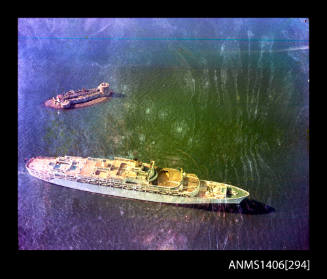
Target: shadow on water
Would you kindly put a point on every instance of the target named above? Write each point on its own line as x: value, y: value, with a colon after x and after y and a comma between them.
x: 117, y: 95
x: 247, y: 206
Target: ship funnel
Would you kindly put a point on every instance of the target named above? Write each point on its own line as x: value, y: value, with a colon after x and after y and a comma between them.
x: 104, y: 87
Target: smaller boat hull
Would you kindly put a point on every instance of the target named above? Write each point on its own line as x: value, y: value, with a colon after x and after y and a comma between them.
x: 81, y: 98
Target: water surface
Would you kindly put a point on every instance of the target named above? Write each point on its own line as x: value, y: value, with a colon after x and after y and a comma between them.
x: 233, y: 110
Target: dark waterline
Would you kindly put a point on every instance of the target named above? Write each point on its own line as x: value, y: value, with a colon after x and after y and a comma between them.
x: 229, y: 111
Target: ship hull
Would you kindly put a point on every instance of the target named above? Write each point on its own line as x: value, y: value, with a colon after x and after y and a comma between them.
x: 138, y: 195
x: 81, y: 98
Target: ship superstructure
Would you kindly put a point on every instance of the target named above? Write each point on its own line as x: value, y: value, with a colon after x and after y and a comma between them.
x: 132, y: 179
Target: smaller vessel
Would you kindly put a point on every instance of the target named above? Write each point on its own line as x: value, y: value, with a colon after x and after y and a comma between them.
x: 80, y: 98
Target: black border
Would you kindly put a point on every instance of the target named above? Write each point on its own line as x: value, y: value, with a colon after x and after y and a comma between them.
x: 203, y: 260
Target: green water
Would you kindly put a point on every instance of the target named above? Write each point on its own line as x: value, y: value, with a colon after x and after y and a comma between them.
x: 223, y: 120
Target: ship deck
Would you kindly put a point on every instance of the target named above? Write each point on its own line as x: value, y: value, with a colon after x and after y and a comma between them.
x: 191, y: 182
x: 117, y: 168
x: 39, y: 163
x: 90, y: 103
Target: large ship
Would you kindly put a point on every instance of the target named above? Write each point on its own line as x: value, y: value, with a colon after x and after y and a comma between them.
x: 133, y: 179
x: 80, y: 98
